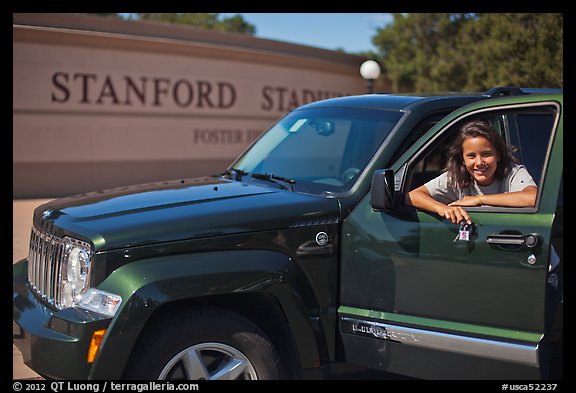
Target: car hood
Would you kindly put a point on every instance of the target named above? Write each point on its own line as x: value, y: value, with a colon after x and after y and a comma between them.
x: 181, y: 209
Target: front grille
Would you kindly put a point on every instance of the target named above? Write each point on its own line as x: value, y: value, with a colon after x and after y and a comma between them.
x: 45, y: 264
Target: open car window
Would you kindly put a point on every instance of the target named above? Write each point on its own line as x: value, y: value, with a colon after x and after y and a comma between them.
x: 527, y: 131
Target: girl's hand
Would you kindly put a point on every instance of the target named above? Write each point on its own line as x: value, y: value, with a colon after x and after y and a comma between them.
x: 454, y: 213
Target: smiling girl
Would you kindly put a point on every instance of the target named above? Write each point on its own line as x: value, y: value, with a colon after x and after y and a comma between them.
x: 480, y: 171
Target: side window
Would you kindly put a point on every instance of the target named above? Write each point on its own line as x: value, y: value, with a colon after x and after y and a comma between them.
x: 420, y: 130
x: 526, y: 131
x: 431, y: 165
x: 532, y: 136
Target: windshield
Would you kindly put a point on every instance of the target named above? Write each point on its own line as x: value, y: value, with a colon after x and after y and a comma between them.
x: 319, y: 149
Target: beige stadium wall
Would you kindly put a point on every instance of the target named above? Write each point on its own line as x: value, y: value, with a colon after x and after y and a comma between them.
x: 100, y: 103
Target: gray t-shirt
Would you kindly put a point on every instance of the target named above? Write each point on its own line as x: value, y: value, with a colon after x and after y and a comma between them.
x: 518, y: 178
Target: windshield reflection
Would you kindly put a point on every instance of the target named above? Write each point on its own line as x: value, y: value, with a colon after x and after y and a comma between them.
x: 319, y: 149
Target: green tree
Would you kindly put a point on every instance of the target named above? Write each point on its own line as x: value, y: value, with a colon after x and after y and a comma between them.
x: 430, y: 52
x: 514, y: 49
x: 234, y: 24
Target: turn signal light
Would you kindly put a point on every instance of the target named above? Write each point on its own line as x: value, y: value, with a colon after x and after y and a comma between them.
x: 95, y: 342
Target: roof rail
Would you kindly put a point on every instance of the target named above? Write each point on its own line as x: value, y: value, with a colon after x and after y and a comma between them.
x: 502, y: 91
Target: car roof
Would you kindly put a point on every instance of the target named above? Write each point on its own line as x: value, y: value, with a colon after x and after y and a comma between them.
x: 404, y: 101
x: 382, y: 101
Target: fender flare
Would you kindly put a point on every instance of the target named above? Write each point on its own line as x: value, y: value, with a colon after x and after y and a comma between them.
x: 148, y: 284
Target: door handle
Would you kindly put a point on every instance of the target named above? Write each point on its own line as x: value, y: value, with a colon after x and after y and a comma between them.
x: 505, y: 239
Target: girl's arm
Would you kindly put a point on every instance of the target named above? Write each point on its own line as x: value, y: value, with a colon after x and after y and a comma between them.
x: 524, y: 198
x: 421, y: 199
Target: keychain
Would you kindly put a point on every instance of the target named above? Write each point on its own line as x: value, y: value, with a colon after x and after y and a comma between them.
x: 464, y: 231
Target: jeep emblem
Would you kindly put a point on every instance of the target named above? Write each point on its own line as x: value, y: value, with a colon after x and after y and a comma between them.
x: 321, y: 238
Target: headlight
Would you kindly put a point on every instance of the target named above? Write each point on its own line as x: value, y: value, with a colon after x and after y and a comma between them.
x: 75, y: 272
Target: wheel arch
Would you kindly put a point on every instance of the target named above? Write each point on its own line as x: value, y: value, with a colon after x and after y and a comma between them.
x: 251, y: 280
x: 262, y: 309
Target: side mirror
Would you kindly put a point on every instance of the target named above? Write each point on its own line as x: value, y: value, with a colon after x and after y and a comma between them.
x: 383, y: 195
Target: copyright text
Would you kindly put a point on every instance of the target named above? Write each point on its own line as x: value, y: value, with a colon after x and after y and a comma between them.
x: 102, y: 387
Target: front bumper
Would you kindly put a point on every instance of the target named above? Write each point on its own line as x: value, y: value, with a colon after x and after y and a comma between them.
x: 53, y: 343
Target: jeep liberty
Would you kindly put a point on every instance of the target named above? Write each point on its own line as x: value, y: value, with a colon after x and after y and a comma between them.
x: 302, y: 254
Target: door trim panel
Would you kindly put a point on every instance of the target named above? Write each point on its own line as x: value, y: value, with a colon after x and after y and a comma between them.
x: 523, y: 351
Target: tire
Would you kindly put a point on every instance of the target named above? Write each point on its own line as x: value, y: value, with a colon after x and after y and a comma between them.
x: 206, y: 343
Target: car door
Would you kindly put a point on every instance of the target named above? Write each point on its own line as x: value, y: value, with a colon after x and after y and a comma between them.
x: 415, y: 301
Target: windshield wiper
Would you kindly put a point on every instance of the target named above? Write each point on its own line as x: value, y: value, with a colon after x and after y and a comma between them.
x: 275, y: 179
x: 235, y: 173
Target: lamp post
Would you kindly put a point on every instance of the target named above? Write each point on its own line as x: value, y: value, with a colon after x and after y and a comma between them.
x: 370, y: 70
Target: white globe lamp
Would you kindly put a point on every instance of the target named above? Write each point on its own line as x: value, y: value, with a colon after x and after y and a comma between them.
x: 370, y: 70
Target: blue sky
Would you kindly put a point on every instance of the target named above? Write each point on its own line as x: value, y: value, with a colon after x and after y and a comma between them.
x: 352, y: 32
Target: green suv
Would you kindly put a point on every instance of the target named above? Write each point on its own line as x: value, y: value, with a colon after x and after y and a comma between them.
x: 303, y: 255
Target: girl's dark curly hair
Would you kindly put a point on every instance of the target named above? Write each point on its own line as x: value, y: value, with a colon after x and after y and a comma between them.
x: 457, y: 173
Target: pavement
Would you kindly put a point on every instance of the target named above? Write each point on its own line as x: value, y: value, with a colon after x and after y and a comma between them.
x: 21, y: 223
